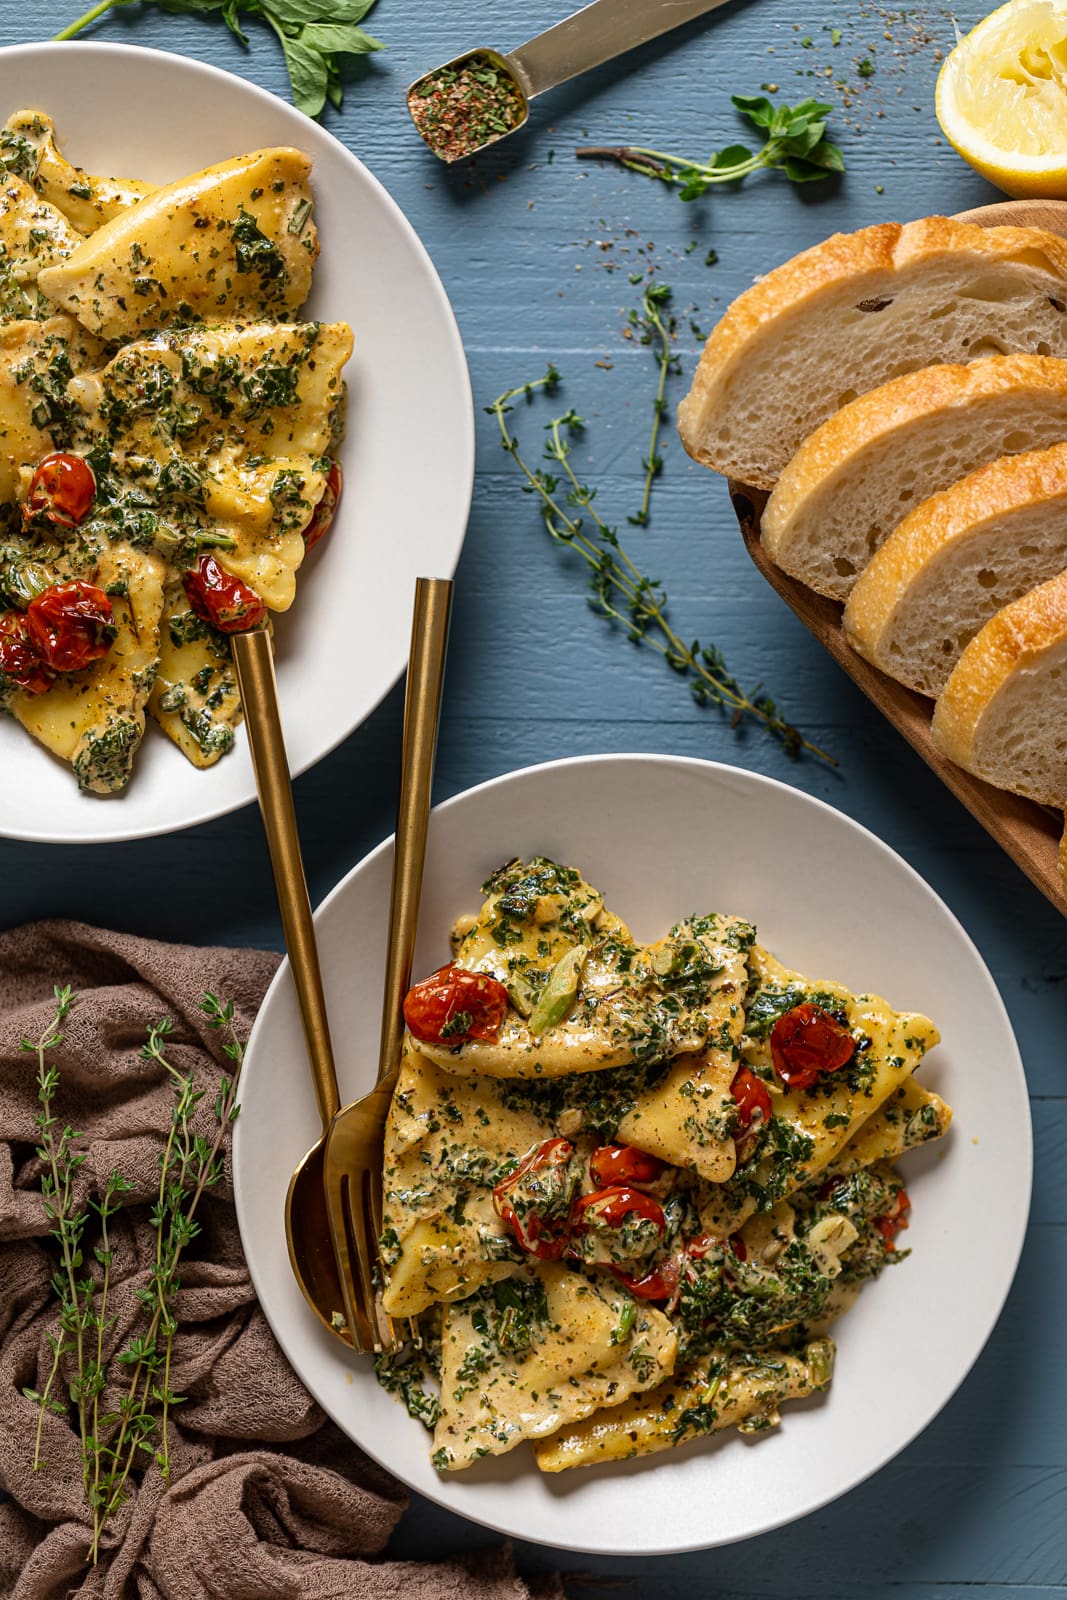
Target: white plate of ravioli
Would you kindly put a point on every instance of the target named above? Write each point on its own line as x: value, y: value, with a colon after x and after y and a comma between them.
x: 695, y: 895
x: 223, y: 357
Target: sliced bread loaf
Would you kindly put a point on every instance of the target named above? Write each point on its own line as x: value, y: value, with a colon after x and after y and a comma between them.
x: 863, y: 471
x: 1003, y: 713
x: 955, y: 561
x: 854, y: 312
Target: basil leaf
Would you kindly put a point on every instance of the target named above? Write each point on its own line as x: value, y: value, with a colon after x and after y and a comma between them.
x: 190, y: 7
x: 297, y: 13
x: 307, y: 75
x: 329, y: 37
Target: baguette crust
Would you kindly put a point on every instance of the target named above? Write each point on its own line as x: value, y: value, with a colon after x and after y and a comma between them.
x: 1002, y: 491
x: 864, y: 263
x: 1015, y: 641
x: 839, y: 451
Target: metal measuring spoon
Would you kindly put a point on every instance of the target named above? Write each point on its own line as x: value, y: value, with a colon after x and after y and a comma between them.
x: 482, y: 96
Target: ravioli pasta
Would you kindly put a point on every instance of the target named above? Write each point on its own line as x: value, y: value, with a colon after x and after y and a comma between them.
x: 155, y: 370
x: 627, y: 1189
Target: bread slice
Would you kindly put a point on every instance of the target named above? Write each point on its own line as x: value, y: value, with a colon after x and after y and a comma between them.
x: 854, y: 312
x: 1003, y: 713
x: 864, y: 470
x: 955, y: 561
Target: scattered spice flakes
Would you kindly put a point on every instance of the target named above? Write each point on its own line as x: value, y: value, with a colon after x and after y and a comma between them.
x: 458, y: 109
x: 629, y: 251
x: 883, y: 40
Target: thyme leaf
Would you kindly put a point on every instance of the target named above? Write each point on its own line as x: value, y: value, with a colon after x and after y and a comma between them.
x: 113, y: 1444
x: 654, y: 327
x: 619, y: 590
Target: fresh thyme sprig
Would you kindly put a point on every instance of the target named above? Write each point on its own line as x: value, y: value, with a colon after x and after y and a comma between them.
x: 190, y: 1164
x: 68, y: 1216
x: 796, y: 144
x: 655, y: 327
x: 619, y: 591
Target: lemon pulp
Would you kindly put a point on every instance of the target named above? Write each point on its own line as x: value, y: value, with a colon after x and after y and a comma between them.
x: 1002, y: 97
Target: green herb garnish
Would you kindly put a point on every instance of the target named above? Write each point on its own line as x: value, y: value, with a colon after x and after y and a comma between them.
x: 654, y: 328
x: 313, y: 35
x: 796, y: 144
x: 114, y: 1443
x: 619, y: 590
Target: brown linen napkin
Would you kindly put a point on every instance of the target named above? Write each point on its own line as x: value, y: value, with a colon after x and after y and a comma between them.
x: 241, y: 1518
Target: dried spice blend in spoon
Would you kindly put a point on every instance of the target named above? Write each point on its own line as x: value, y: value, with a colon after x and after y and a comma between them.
x: 464, y: 105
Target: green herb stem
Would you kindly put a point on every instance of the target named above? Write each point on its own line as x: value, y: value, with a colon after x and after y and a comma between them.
x: 651, y: 319
x: 620, y: 591
x: 189, y: 1165
x: 795, y: 144
x: 669, y: 168
x: 313, y: 35
x: 91, y: 15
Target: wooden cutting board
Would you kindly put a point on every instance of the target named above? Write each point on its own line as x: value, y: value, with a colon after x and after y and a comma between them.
x: 1029, y: 832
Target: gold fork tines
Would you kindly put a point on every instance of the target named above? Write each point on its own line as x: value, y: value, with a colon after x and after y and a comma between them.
x: 352, y: 1163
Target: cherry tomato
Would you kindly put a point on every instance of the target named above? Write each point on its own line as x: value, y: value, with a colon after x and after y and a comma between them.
x: 324, y: 513
x: 621, y: 1163
x: 611, y: 1208
x: 62, y: 489
x: 19, y: 661
x: 703, y: 1245
x: 659, y: 1284
x: 70, y: 625
x: 894, y: 1221
x: 228, y: 603
x: 453, y: 1005
x: 534, y: 1200
x: 807, y: 1041
x: 752, y: 1096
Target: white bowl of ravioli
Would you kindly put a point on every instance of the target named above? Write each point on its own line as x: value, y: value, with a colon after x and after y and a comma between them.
x: 664, y: 840
x: 247, y: 458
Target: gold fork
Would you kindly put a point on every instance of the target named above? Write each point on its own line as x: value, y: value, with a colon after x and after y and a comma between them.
x: 352, y: 1167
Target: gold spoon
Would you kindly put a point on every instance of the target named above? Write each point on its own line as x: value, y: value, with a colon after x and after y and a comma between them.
x: 307, y: 1231
x: 577, y: 44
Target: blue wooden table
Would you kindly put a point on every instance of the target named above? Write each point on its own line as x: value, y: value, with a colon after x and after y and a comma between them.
x: 536, y: 251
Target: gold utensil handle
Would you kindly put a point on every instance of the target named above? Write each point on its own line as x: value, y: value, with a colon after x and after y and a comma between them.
x: 254, y: 661
x: 594, y: 35
x: 422, y: 704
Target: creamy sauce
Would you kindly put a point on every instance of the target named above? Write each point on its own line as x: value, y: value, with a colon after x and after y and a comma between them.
x: 769, y: 1229
x: 152, y: 332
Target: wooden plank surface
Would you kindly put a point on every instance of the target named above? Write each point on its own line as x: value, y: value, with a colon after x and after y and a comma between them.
x: 536, y: 252
x: 1030, y: 833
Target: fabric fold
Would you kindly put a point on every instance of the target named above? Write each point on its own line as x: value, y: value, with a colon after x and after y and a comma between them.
x: 266, y: 1497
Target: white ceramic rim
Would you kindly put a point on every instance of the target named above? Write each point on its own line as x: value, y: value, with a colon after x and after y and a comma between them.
x: 1025, y: 1176
x: 105, y: 825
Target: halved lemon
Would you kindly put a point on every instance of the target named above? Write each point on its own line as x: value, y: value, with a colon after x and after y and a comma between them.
x: 1002, y: 98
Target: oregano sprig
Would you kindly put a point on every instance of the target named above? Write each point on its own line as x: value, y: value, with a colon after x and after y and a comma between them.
x: 795, y: 144
x: 313, y: 35
x: 619, y: 590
